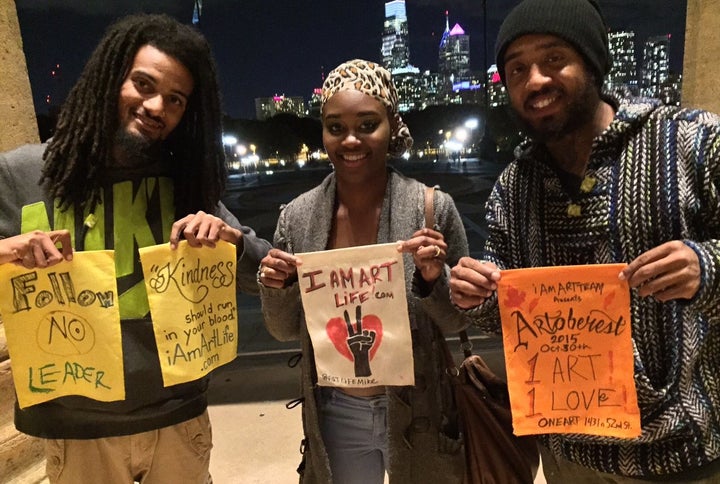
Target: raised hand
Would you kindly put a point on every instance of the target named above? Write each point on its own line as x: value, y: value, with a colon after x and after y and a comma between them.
x: 278, y: 268
x: 429, y: 252
x: 668, y: 271
x: 472, y: 281
x: 204, y: 229
x: 36, y: 248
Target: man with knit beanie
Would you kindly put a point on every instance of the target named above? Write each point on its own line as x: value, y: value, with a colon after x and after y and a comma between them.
x: 606, y: 180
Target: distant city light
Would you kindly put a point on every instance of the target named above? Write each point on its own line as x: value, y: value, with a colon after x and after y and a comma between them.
x: 249, y: 160
x: 471, y: 123
x: 453, y: 145
x: 229, y: 140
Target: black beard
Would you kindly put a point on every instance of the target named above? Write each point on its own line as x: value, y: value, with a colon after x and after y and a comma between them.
x: 580, y: 111
x: 134, y: 150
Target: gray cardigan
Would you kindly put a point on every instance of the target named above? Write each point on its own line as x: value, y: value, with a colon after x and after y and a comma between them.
x: 421, y: 449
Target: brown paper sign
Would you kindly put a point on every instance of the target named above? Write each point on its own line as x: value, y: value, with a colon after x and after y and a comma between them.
x: 356, y: 313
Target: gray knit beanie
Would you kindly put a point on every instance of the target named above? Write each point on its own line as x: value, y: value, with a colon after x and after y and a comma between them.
x: 578, y: 22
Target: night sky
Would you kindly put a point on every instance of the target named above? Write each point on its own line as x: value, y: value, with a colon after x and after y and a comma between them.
x: 268, y: 47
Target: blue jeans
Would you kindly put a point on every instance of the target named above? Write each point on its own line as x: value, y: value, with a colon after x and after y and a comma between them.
x: 354, y: 430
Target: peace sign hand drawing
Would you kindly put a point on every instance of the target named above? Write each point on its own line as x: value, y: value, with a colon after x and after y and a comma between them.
x: 360, y: 342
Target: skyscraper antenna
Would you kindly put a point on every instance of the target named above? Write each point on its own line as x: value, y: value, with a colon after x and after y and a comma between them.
x: 197, y: 12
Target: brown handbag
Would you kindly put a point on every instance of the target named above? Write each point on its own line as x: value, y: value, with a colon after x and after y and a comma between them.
x: 493, y: 454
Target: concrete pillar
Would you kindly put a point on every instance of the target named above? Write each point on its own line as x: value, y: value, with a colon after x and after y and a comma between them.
x: 21, y: 456
x: 701, y: 68
x: 16, y: 103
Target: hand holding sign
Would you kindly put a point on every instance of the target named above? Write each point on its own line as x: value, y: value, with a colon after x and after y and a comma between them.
x: 429, y: 251
x: 204, y: 230
x: 472, y: 281
x: 669, y: 271
x: 36, y: 248
x: 278, y: 268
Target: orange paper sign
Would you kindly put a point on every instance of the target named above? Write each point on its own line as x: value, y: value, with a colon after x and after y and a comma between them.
x: 568, y: 350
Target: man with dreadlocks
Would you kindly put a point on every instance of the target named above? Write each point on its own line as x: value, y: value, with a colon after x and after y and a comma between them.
x: 136, y: 147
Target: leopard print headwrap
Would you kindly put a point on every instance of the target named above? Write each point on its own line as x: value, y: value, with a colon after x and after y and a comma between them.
x: 375, y: 81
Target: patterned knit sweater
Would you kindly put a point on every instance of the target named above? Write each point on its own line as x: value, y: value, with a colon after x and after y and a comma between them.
x: 657, y: 172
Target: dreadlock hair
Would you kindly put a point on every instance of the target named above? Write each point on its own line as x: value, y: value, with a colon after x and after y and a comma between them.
x: 81, y: 148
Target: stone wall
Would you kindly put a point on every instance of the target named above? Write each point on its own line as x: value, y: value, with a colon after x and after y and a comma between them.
x: 701, y: 64
x: 16, y: 104
x: 21, y: 456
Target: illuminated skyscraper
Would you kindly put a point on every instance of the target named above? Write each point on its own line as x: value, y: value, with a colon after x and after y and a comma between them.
x: 496, y: 92
x: 623, y: 73
x: 656, y: 65
x: 395, y: 50
x: 267, y: 107
x: 454, y: 55
x: 315, y: 103
x: 197, y: 12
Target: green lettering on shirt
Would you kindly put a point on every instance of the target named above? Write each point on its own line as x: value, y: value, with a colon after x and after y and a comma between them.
x: 34, y: 217
x: 130, y: 207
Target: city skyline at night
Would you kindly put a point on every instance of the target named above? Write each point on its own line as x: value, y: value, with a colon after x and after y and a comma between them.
x: 284, y: 47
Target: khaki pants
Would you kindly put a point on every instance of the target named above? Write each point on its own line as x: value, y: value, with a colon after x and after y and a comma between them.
x: 179, y: 454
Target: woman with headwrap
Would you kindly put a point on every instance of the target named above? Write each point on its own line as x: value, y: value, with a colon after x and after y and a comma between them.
x: 355, y: 435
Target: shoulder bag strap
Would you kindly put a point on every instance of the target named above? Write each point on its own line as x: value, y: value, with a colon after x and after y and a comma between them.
x: 429, y: 207
x: 465, y: 343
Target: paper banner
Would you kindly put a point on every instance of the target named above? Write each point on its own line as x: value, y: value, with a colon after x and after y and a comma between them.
x: 63, y: 329
x: 356, y: 313
x: 193, y: 302
x: 568, y: 350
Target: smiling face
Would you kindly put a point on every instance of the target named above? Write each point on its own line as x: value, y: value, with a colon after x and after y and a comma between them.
x: 154, y: 95
x: 550, y: 88
x: 356, y: 135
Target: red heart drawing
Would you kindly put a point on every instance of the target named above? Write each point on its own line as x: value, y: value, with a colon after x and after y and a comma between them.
x: 337, y: 331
